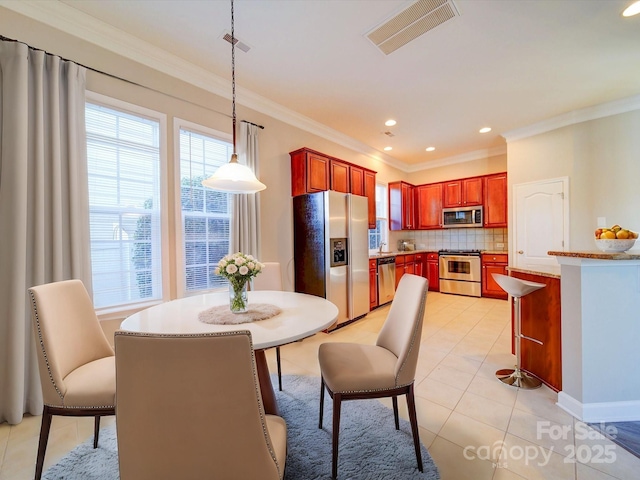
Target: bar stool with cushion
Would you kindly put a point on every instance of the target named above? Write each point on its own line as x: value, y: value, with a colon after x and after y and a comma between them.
x: 352, y: 371
x: 75, y: 360
x: 517, y: 288
x: 189, y: 406
x: 270, y: 278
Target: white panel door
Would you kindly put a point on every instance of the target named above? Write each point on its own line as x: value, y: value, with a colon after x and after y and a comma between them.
x: 541, y: 219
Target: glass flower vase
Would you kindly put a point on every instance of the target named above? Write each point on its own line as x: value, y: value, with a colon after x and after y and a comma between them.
x: 238, y: 297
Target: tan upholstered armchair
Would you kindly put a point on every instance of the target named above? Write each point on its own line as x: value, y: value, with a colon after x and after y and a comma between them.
x: 75, y: 360
x: 353, y: 371
x: 189, y: 407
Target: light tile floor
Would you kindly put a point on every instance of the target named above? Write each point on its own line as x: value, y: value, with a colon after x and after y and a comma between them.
x: 473, y: 426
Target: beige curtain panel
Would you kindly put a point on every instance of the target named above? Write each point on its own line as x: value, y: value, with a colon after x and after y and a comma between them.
x: 44, y: 207
x: 245, y: 211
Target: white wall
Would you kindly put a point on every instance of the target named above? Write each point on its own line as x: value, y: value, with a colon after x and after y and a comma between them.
x: 601, y: 159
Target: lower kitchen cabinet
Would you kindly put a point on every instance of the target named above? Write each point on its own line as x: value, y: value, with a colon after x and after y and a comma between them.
x: 404, y: 264
x: 420, y: 267
x: 433, y: 271
x: 373, y: 284
x: 493, y: 263
x: 541, y: 317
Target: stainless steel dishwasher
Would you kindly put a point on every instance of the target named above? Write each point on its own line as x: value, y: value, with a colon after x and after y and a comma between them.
x: 386, y: 279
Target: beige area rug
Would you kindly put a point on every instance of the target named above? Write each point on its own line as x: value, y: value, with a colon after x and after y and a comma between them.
x: 221, y: 315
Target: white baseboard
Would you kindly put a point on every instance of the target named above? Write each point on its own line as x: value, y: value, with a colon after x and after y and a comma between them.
x: 627, y: 411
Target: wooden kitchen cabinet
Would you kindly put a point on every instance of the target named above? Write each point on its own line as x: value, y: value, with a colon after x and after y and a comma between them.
x: 433, y: 271
x: 373, y: 284
x: 493, y: 263
x: 541, y: 316
x: 420, y: 267
x: 370, y: 193
x: 428, y: 199
x: 309, y: 172
x: 405, y: 264
x: 313, y: 171
x: 463, y: 192
x: 495, y: 200
x: 401, y: 206
x: 339, y: 178
x: 399, y: 268
x: 356, y: 180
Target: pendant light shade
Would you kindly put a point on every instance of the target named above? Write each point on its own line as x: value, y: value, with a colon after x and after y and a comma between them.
x: 234, y: 177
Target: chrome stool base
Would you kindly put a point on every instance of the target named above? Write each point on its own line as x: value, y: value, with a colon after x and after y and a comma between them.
x: 518, y: 379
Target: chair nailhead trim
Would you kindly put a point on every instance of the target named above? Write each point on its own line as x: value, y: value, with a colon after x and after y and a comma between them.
x: 44, y: 352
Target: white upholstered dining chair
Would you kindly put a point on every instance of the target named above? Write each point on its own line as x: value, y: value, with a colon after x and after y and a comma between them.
x: 270, y: 278
x: 75, y: 360
x: 351, y: 371
x: 189, y: 407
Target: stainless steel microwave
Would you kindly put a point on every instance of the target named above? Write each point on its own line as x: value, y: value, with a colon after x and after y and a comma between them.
x: 462, y: 217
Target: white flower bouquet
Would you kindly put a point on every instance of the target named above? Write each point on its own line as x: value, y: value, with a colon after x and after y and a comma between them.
x: 238, y: 269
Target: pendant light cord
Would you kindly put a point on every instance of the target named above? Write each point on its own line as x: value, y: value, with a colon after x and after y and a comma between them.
x: 233, y: 77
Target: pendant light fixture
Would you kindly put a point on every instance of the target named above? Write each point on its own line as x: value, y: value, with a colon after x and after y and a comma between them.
x: 233, y: 177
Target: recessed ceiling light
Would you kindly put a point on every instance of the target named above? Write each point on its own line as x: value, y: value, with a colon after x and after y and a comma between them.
x: 390, y: 123
x: 632, y: 10
x: 386, y: 149
x: 430, y: 149
x: 485, y: 129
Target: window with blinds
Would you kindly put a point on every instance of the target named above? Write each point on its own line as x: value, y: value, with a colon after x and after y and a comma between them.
x: 205, y: 212
x: 123, y: 157
x: 380, y: 233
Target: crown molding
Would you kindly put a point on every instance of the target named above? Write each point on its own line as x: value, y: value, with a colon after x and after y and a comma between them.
x: 462, y: 158
x: 577, y: 116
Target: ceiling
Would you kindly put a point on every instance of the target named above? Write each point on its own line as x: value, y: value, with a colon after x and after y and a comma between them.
x: 506, y: 64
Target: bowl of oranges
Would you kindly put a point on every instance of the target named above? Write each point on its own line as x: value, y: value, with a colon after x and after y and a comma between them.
x: 615, y: 239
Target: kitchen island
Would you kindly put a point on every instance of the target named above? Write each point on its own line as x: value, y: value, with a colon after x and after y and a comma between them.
x: 541, y: 322
x: 600, y: 335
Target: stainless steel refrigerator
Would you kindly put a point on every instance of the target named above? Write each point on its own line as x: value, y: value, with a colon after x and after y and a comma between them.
x: 330, y: 246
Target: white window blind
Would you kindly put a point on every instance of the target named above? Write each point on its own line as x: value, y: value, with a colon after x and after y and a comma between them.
x: 205, y: 212
x: 123, y: 156
x: 380, y: 233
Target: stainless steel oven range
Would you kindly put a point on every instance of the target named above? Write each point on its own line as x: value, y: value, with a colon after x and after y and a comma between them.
x: 460, y: 272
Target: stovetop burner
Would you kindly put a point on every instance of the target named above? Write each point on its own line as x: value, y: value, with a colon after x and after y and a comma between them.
x: 458, y: 252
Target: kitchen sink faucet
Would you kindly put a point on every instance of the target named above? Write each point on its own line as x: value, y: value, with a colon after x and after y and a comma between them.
x: 382, y: 244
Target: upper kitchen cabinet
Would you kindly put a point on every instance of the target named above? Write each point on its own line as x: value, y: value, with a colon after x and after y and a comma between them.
x: 356, y: 178
x: 313, y: 171
x: 309, y: 172
x: 370, y: 193
x: 401, y: 206
x: 495, y: 200
x: 429, y: 206
x: 462, y: 193
x: 339, y: 176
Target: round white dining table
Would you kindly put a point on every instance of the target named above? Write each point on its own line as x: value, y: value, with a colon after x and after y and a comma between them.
x: 301, y: 316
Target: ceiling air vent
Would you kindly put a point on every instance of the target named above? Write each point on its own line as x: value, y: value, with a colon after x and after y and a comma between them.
x: 410, y: 23
x: 241, y: 45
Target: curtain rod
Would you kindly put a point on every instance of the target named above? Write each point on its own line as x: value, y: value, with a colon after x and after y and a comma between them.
x: 6, y: 39
x: 254, y: 124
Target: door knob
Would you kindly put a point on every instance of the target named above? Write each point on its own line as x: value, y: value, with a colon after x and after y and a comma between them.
x: 520, y: 252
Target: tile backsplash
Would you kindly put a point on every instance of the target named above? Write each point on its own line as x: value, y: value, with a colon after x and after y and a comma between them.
x: 453, y: 238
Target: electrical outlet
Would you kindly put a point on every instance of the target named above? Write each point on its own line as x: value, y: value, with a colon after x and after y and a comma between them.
x: 499, y: 245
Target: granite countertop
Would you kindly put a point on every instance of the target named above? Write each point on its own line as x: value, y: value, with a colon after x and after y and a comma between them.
x: 412, y: 252
x: 598, y: 255
x: 532, y: 272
